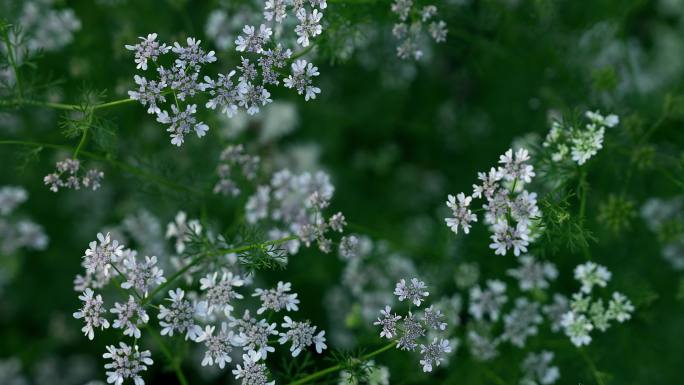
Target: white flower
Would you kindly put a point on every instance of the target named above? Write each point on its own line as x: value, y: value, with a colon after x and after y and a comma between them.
x: 537, y: 369
x: 147, y: 49
x: 556, y: 310
x: 149, y: 93
x: 487, y: 302
x: 433, y: 354
x: 506, y: 237
x: 591, y: 274
x: 182, y: 229
x: 252, y: 97
x: 277, y: 299
x: 521, y: 322
x: 577, y: 327
x: 130, y: 315
x: 179, y: 316
x: 254, y: 335
x: 99, y: 257
x: 462, y: 214
x: 181, y: 123
x: 514, y: 168
x: 432, y: 318
x: 192, y: 55
x: 620, y: 308
x: 301, y: 335
x: 415, y: 292
x: 532, y: 274
x: 223, y: 92
x: 253, y: 41
x: 411, y: 329
x: 218, y: 294
x: 92, y: 313
x: 586, y: 143
x: 10, y: 198
x: 301, y: 79
x: 438, y: 31
x: 388, y: 321
x: 275, y: 9
x: 611, y: 120
x: 142, y: 276
x: 127, y: 362
x: 218, y: 346
x: 309, y: 26
x: 252, y: 372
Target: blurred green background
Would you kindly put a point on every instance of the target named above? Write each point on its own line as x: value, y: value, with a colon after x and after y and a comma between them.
x: 396, y: 137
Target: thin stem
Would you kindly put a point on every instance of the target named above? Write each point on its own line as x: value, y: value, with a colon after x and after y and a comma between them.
x: 592, y: 367
x: 493, y: 376
x: 121, y: 165
x: 62, y: 106
x: 167, y: 353
x: 38, y: 103
x: 582, y: 192
x: 84, y: 136
x: 113, y: 103
x: 338, y: 367
x: 204, y: 256
x: 13, y: 62
x: 582, y: 187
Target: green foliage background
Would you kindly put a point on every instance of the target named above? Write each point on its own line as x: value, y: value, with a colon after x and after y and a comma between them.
x: 394, y: 151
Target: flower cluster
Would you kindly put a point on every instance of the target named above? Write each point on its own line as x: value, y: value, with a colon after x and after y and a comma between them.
x: 565, y: 141
x: 264, y: 65
x: 204, y: 316
x: 510, y: 210
x: 180, y: 79
x: 409, y: 329
x: 16, y: 232
x: 68, y: 175
x: 45, y: 28
x: 295, y: 203
x: 233, y: 157
x: 588, y: 313
x: 409, y: 29
x: 487, y: 308
x: 537, y: 369
x: 665, y: 217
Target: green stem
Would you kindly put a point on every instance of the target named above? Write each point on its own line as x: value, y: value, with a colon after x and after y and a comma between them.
x: 204, y: 256
x: 167, y: 353
x: 62, y: 106
x: 582, y: 187
x: 338, y: 367
x: 115, y: 163
x: 493, y: 376
x: 592, y: 367
x: 113, y: 103
x: 38, y: 103
x: 582, y: 192
x: 12, y: 61
x: 84, y: 136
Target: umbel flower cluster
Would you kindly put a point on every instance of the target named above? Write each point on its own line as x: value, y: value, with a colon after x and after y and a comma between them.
x: 665, y: 217
x: 578, y: 143
x: 510, y: 210
x: 68, y: 175
x: 234, y: 158
x: 172, y: 93
x: 293, y: 204
x: 412, y: 331
x: 17, y: 232
x: 589, y: 313
x: 410, y: 29
x: 217, y: 316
